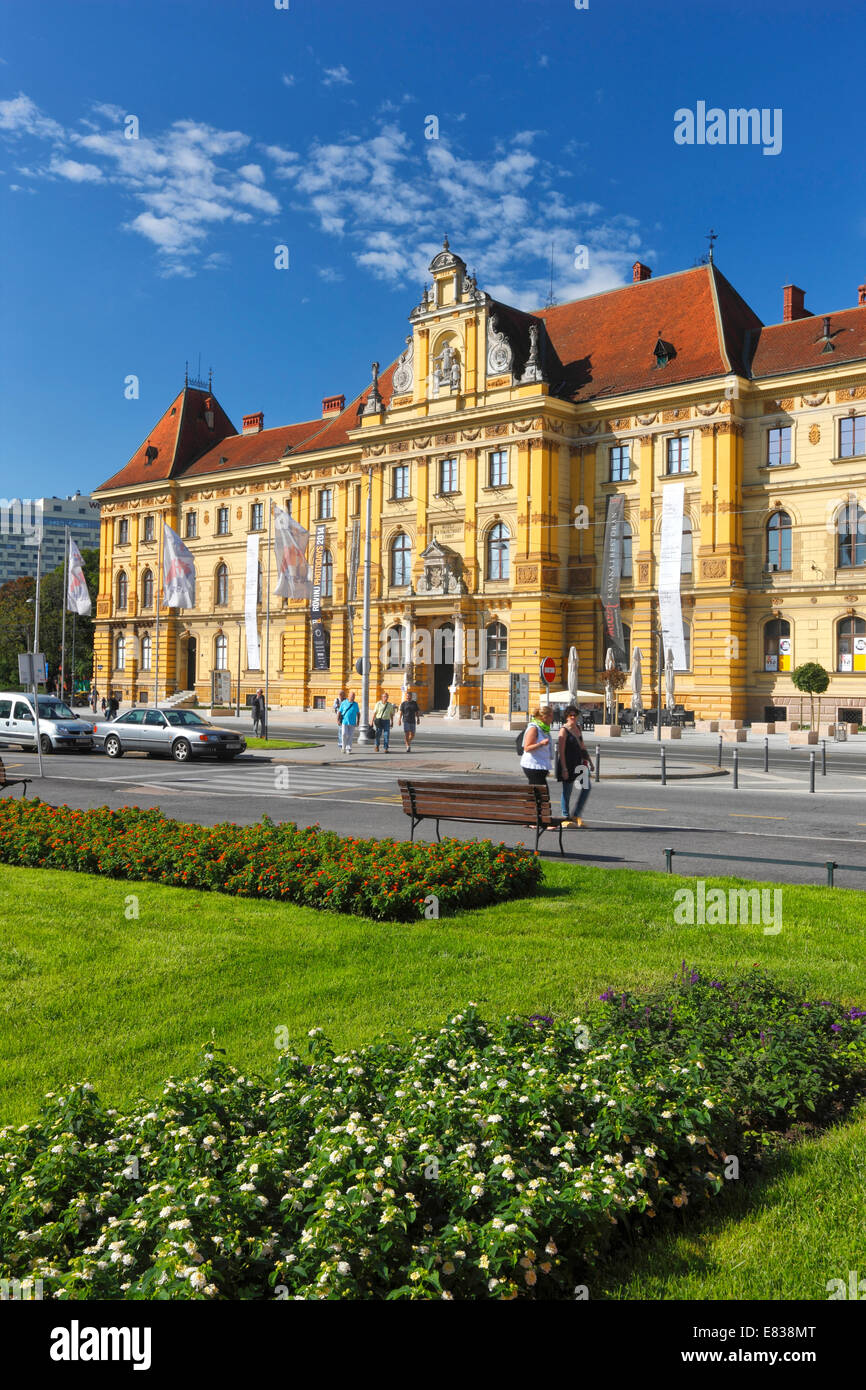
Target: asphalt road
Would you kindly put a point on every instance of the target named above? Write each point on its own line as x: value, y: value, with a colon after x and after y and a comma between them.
x: 631, y: 818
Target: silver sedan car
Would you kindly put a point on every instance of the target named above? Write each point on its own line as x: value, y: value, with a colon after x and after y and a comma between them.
x: 172, y: 733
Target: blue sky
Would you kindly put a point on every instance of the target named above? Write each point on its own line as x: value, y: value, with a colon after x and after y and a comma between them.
x: 306, y: 127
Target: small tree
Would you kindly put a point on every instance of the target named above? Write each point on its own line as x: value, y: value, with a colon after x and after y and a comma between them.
x: 812, y: 680
x: 613, y: 680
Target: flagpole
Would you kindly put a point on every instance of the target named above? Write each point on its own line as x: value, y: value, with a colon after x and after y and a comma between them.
x: 35, y: 654
x: 158, y: 591
x: 363, y: 736
x: 63, y: 622
x: 268, y: 616
x: 72, y: 661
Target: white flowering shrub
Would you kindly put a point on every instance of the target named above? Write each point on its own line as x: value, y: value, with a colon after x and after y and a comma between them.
x: 477, y: 1161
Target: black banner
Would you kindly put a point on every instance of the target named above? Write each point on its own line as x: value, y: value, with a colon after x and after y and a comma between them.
x: 320, y: 650
x: 610, y: 576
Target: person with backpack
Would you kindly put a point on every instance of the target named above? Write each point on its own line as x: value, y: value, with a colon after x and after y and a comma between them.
x: 535, y: 747
x: 382, y: 715
x: 349, y: 716
x: 337, y: 706
x: 573, y: 765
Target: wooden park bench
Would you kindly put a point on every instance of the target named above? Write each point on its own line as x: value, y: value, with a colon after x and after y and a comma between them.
x: 13, y: 781
x: 513, y: 804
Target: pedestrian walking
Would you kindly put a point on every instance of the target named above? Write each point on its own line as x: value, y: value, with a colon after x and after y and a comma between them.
x: 258, y: 712
x: 409, y: 715
x: 349, y: 716
x: 573, y: 766
x: 103, y: 704
x: 111, y: 707
x: 535, y: 758
x: 383, y: 714
x: 337, y: 707
x: 94, y: 699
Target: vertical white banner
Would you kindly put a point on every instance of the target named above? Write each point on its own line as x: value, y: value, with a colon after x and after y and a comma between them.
x: 251, y: 593
x: 670, y: 567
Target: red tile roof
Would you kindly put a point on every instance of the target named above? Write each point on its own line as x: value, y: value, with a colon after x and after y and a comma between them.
x: 795, y: 346
x: 605, y: 342
x: 247, y: 450
x: 181, y: 436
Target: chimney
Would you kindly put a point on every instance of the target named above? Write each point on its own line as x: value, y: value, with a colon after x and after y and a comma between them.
x: 333, y: 405
x: 861, y: 294
x: 254, y: 424
x: 639, y: 271
x: 793, y: 304
x: 208, y: 413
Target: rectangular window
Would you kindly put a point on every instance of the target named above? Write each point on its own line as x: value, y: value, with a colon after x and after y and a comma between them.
x: 852, y: 436
x: 148, y: 528
x: 401, y: 481
x: 257, y: 516
x: 326, y: 504
x: 123, y: 531
x: 678, y: 455
x: 499, y: 468
x: 779, y: 446
x: 191, y: 525
x: 222, y: 521
x: 356, y: 499
x: 620, y: 463
x: 448, y: 475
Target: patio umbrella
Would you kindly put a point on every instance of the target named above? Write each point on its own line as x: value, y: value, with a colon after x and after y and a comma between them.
x: 636, y: 681
x: 572, y: 673
x: 669, y: 680
x: 609, y: 665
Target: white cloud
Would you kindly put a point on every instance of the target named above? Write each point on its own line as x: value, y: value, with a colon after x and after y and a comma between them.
x: 338, y: 77
x: 74, y: 171
x: 21, y: 116
x: 253, y: 173
x: 543, y: 60
x: 288, y: 79
x: 329, y: 273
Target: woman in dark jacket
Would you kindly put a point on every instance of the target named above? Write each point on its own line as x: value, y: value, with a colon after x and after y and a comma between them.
x: 573, y: 766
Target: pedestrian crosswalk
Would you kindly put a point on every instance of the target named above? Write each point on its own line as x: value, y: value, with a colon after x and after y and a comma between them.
x: 278, y: 779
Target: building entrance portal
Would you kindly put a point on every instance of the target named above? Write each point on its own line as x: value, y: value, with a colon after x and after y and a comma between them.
x: 443, y: 665
x: 190, y: 663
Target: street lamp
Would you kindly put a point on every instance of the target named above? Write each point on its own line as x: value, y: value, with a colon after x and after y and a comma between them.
x: 482, y: 663
x: 659, y: 695
x: 238, y: 692
x: 363, y: 735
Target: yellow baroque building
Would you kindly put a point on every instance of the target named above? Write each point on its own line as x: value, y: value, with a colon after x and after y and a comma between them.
x: 491, y: 446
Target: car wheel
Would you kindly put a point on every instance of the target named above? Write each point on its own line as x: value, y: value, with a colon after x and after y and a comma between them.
x: 45, y: 744
x: 180, y: 750
x: 113, y: 746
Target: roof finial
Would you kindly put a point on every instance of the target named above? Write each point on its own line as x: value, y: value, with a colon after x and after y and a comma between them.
x: 712, y: 239
x: 210, y: 380
x: 446, y: 245
x: 186, y: 373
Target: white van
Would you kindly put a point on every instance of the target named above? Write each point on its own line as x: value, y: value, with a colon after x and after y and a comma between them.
x: 59, y: 728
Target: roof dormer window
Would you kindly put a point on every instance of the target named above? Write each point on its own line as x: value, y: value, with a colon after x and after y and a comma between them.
x: 663, y: 352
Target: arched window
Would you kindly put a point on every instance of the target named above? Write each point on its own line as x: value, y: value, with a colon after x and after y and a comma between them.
x: 120, y: 653
x: 779, y: 541
x: 851, y: 526
x: 222, y: 587
x: 146, y: 652
x: 122, y: 589
x: 497, y: 647
x: 395, y: 656
x: 147, y: 589
x: 401, y: 559
x: 328, y: 574
x: 498, y: 552
x: 851, y: 645
x: 686, y: 561
x: 260, y: 583
x: 777, y: 645
x: 221, y: 653
x: 626, y: 571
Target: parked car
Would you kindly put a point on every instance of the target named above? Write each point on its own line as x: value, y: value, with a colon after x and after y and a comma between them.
x: 173, y: 733
x: 59, y: 728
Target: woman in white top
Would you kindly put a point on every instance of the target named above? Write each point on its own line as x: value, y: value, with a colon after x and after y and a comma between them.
x: 535, y: 759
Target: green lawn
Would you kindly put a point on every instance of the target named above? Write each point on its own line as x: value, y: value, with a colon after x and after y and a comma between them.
x: 279, y: 743
x: 88, y: 994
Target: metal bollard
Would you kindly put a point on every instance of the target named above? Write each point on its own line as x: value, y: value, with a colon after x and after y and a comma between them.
x: 597, y: 762
x: 766, y: 755
x: 664, y: 769
x: 823, y: 757
x: 736, y: 768
x: 669, y: 855
x: 811, y: 772
x: 720, y: 749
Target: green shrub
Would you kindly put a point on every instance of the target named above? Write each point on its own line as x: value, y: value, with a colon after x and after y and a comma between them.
x: 385, y: 879
x: 474, y: 1162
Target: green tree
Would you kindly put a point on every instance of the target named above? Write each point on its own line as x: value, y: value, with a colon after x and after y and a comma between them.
x: 17, y: 598
x: 812, y: 680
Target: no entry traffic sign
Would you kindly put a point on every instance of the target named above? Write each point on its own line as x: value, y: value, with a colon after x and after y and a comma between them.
x: 548, y: 670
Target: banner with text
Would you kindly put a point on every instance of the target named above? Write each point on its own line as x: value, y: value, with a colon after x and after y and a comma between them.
x: 610, y: 576
x: 320, y: 653
x: 251, y: 597
x: 670, y: 568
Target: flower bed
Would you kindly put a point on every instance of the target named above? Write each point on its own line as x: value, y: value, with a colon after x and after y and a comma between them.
x: 476, y: 1162
x: 385, y: 879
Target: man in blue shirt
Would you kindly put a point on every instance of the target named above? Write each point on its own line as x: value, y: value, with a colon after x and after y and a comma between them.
x: 349, y: 716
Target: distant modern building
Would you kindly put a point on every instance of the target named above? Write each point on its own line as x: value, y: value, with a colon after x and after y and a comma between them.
x: 19, y: 521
